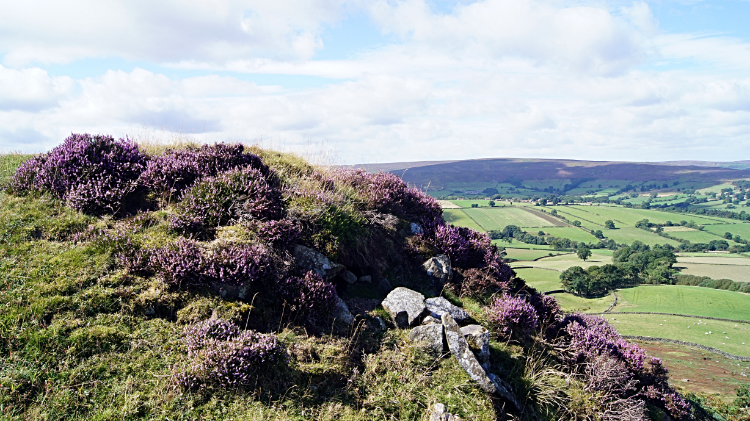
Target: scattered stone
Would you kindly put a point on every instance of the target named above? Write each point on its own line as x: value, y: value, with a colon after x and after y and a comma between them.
x: 478, y: 339
x: 405, y: 306
x: 341, y: 312
x: 384, y: 287
x: 439, y: 306
x: 231, y: 292
x: 465, y: 357
x: 416, y: 228
x: 439, y: 412
x: 503, y: 390
x: 349, y: 277
x: 309, y: 259
x: 431, y: 335
x: 366, y: 279
x: 381, y: 323
x: 430, y: 320
x: 439, y: 268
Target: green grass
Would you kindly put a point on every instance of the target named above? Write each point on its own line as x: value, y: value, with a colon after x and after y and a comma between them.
x: 686, y: 329
x: 468, y: 203
x: 694, y: 236
x: 716, y: 189
x: 572, y: 233
x: 499, y: 218
x: 520, y: 245
x: 743, y: 230
x: 572, y: 303
x: 565, y: 261
x: 738, y: 273
x: 541, y: 279
x: 525, y: 254
x: 459, y: 218
x: 683, y: 299
x: 8, y: 164
x: 628, y: 235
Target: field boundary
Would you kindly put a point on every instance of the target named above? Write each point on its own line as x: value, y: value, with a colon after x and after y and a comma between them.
x: 675, y: 314
x: 690, y: 344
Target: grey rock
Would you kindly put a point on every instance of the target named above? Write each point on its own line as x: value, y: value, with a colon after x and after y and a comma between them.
x: 428, y: 320
x: 465, y: 357
x: 439, y: 412
x: 349, y: 277
x: 439, y: 268
x: 341, y: 312
x: 229, y: 291
x: 381, y: 323
x: 478, y: 339
x: 309, y: 259
x: 503, y: 390
x: 384, y: 286
x: 366, y: 279
x: 439, y: 306
x: 405, y: 306
x: 431, y: 336
x: 416, y: 228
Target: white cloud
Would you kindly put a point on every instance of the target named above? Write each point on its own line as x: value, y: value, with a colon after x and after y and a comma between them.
x: 31, y: 89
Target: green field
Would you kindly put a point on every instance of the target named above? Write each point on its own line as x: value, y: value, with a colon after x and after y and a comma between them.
x: 596, y: 221
x: 8, y: 164
x: 564, y: 261
x: 499, y: 218
x: 527, y: 255
x: 541, y: 279
x: 573, y: 233
x: 736, y: 340
x: 628, y: 235
x: 520, y: 245
x: 737, y: 273
x: 571, y: 303
x: 743, y: 230
x: 683, y: 299
x: 459, y: 218
x: 468, y: 203
x: 693, y: 235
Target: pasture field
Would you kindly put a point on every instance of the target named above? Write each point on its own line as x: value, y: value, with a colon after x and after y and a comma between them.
x: 520, y: 245
x: 564, y: 261
x: 595, y: 221
x: 572, y: 233
x: 737, y: 273
x: 686, y: 329
x: 447, y: 204
x: 572, y: 303
x: 630, y: 217
x: 468, y: 203
x: 716, y: 189
x: 715, y: 259
x: 527, y: 255
x: 499, y: 218
x: 541, y: 279
x: 684, y: 299
x: 459, y: 218
x: 693, y: 235
x: 8, y: 164
x: 628, y: 235
x: 713, y: 255
x: 743, y: 230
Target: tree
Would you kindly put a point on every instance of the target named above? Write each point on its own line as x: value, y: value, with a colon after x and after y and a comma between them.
x: 492, y: 203
x: 609, y: 224
x: 728, y: 235
x: 474, y: 205
x: 598, y: 234
x: 576, y: 223
x: 575, y: 279
x: 583, y: 253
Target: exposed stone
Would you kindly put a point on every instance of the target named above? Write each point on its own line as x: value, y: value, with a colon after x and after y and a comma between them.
x: 439, y: 412
x: 503, y: 390
x: 428, y: 320
x: 384, y: 286
x: 439, y: 268
x: 405, y: 306
x: 416, y: 228
x: 366, y: 279
x: 381, y: 323
x: 431, y: 335
x: 229, y: 291
x: 478, y: 339
x: 465, y: 357
x: 309, y: 259
x: 341, y: 312
x: 439, y: 306
x: 349, y: 277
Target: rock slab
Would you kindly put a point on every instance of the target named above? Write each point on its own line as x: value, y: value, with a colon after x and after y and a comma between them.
x: 309, y: 259
x: 431, y: 335
x: 439, y: 306
x: 341, y: 312
x: 438, y: 412
x: 349, y: 277
x: 439, y: 268
x: 464, y: 355
x: 478, y: 339
x: 405, y: 306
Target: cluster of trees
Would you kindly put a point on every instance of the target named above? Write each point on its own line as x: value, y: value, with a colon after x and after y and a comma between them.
x: 632, y: 265
x: 511, y: 232
x: 686, y: 245
x: 706, y: 282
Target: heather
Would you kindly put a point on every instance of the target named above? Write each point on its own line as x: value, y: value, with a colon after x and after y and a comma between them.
x: 193, y: 304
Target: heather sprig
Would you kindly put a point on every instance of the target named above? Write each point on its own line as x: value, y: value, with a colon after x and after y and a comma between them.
x: 281, y: 234
x: 513, y: 317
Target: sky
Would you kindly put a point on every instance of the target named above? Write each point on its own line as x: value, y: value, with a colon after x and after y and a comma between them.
x: 384, y: 80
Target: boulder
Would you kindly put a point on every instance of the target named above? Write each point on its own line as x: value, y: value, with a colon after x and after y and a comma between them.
x: 431, y: 335
x: 341, y: 312
x: 405, y: 306
x: 503, y: 390
x: 416, y: 228
x: 384, y: 286
x: 465, y: 357
x: 438, y: 412
x: 439, y: 268
x: 439, y: 306
x: 478, y: 339
x: 366, y: 279
x: 309, y: 259
x: 428, y: 320
x: 349, y: 277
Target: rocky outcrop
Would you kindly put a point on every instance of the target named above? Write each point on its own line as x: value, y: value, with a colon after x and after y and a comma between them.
x: 406, y: 307
x: 478, y: 339
x: 341, y: 312
x: 348, y: 277
x: 366, y: 279
x: 431, y: 335
x: 465, y: 357
x: 309, y: 259
x: 439, y: 268
x: 439, y: 306
x: 438, y: 412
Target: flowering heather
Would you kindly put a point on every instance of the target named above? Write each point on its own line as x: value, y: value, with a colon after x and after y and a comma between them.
x: 222, y: 356
x: 236, y: 195
x: 176, y: 170
x: 238, y: 264
x: 181, y: 264
x: 478, y: 282
x: 310, y: 295
x: 466, y: 248
x: 513, y: 316
x: 387, y: 193
x: 585, y: 339
x: 546, y: 307
x: 94, y: 174
x: 281, y: 233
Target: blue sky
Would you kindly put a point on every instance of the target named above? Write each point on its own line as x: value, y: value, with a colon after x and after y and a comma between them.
x: 380, y: 81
